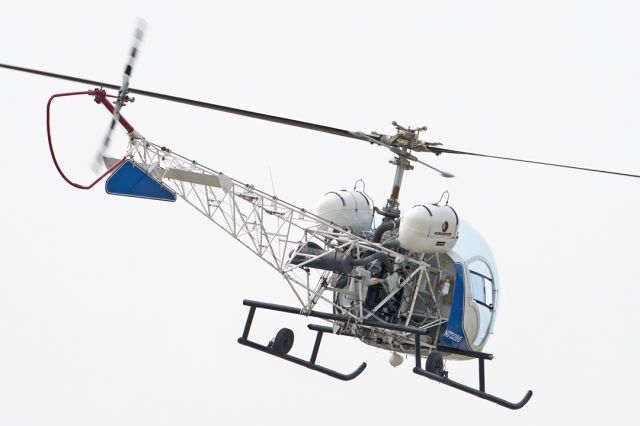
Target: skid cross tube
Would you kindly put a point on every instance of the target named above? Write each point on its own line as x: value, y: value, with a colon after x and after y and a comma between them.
x: 316, y: 346
x: 311, y: 364
x: 480, y: 393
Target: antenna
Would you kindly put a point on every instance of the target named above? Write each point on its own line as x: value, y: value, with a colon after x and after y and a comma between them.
x: 273, y: 187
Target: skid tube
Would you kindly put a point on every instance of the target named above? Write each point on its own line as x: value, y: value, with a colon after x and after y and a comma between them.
x: 445, y: 380
x: 311, y: 364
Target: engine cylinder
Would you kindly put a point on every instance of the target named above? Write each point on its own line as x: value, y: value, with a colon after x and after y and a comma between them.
x: 429, y: 229
x: 351, y: 209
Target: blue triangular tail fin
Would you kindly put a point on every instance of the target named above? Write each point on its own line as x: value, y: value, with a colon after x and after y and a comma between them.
x: 132, y: 181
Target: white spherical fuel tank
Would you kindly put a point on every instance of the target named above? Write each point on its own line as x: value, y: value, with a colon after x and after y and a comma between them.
x: 351, y: 209
x: 429, y: 229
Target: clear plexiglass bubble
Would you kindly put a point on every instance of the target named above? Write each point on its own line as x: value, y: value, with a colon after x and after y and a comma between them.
x: 473, y: 248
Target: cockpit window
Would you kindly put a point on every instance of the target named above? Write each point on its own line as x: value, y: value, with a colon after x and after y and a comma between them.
x: 484, y: 279
x: 482, y: 289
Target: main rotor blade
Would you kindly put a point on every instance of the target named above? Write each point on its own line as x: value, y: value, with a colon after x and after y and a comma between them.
x: 192, y: 102
x: 438, y: 151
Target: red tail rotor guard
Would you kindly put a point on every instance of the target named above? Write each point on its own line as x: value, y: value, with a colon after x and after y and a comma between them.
x: 100, y: 96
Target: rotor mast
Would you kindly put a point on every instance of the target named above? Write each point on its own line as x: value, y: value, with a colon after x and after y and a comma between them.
x: 393, y: 204
x: 405, y: 139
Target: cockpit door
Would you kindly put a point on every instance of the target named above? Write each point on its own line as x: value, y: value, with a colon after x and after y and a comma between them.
x: 484, y: 293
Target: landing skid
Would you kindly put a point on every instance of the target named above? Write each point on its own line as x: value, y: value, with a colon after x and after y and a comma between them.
x: 439, y: 375
x: 479, y: 393
x: 311, y: 364
x: 443, y: 377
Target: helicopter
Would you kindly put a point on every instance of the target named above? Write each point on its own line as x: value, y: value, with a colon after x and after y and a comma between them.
x: 405, y: 286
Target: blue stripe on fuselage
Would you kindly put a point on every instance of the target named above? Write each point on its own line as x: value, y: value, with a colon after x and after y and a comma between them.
x: 454, y: 334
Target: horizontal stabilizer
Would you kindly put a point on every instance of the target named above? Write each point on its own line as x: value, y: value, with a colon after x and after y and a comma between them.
x: 175, y: 174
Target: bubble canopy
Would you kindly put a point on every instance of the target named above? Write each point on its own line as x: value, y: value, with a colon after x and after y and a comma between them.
x: 471, y: 244
x: 483, y: 274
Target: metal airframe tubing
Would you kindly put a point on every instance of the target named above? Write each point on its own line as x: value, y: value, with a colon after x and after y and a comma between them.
x: 394, y: 292
x: 415, y: 296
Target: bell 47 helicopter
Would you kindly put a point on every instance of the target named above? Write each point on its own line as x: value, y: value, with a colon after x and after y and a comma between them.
x: 422, y: 283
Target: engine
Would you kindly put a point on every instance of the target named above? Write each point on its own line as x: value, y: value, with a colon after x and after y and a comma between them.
x: 385, y: 280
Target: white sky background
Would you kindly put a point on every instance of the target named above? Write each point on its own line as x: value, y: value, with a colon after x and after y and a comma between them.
x: 124, y: 311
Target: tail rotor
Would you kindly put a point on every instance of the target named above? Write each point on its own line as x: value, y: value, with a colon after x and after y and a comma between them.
x: 122, y: 98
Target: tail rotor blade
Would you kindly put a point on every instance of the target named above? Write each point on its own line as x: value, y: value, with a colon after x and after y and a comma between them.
x: 122, y: 92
